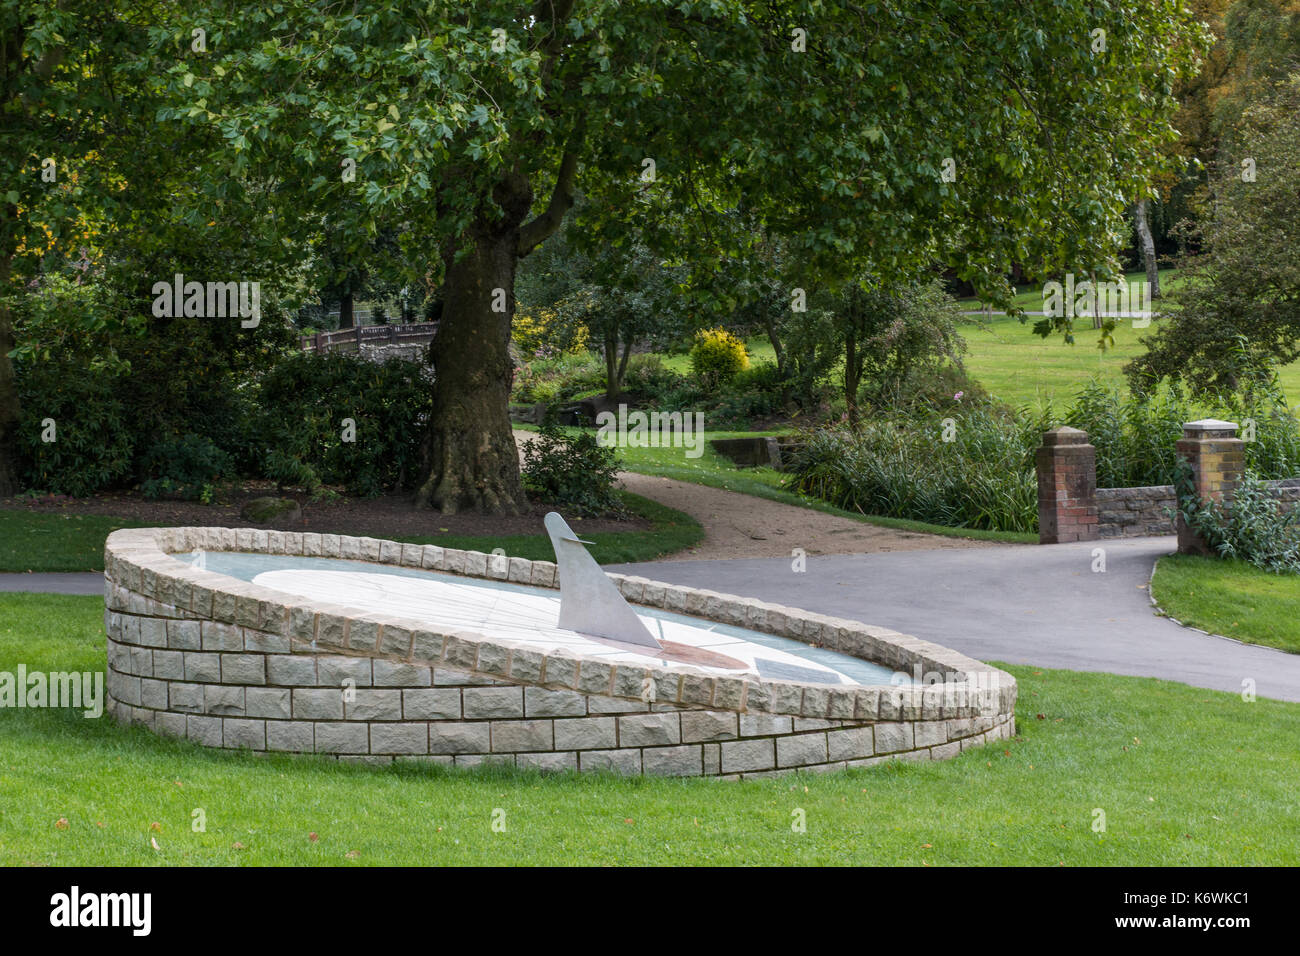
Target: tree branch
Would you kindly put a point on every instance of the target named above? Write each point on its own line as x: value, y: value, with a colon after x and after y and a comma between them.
x: 532, y: 234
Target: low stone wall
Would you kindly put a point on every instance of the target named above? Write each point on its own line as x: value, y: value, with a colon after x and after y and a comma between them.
x: 1135, y: 512
x: 229, y: 664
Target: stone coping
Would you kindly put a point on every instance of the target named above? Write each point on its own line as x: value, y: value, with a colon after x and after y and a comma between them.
x: 139, y: 565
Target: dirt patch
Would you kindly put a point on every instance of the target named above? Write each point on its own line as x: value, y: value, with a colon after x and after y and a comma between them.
x: 385, y: 517
x: 742, y: 526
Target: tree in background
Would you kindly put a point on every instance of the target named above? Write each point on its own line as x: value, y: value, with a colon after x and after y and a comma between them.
x: 57, y: 123
x: 1237, y: 315
x: 622, y: 297
x: 877, y: 333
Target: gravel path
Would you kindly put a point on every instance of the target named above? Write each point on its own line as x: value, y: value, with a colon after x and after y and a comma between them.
x: 742, y: 526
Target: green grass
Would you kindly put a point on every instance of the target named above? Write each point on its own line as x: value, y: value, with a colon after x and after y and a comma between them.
x: 1230, y: 597
x: 1029, y: 296
x: 1184, y: 776
x: 671, y: 531
x: 1020, y: 368
x: 715, y: 471
x: 51, y: 542
x: 41, y: 541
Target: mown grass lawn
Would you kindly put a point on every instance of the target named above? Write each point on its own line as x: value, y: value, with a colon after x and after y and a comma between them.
x: 1183, y: 776
x: 34, y: 541
x: 1231, y: 598
x: 41, y: 541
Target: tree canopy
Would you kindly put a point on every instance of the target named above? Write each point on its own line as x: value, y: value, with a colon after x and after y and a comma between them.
x: 882, y: 136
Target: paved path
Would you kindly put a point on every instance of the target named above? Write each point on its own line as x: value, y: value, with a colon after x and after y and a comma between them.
x: 1024, y: 605
x: 76, y: 582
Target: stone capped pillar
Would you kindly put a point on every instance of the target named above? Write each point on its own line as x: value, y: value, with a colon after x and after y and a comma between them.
x: 1067, y: 487
x: 1216, y: 456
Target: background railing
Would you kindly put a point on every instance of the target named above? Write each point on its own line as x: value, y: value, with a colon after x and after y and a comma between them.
x: 350, y: 340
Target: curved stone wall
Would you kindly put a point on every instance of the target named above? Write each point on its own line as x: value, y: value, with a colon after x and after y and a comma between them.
x: 226, y: 663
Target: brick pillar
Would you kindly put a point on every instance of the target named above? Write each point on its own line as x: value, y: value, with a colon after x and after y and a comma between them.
x: 1067, y: 487
x: 1216, y: 456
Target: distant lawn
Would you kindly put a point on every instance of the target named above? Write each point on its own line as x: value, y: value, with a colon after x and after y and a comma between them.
x: 1020, y: 368
x: 1015, y: 365
x: 1183, y: 776
x: 1029, y: 295
x: 33, y: 541
x: 1230, y: 598
x: 715, y: 471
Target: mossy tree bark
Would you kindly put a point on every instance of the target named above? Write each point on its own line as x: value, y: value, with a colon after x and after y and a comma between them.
x: 474, y: 463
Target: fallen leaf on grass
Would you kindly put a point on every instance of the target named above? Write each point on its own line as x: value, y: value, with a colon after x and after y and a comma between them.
x: 62, y: 823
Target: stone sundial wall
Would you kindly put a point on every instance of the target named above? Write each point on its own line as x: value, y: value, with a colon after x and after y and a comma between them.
x: 229, y: 664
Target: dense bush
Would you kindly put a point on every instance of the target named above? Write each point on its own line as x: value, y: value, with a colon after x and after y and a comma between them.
x: 94, y: 441
x: 304, y: 403
x: 558, y: 378
x: 69, y: 378
x: 650, y: 379
x: 971, y: 469
x: 753, y: 394
x: 717, y: 356
x: 574, y: 474
x: 1254, y: 525
x: 545, y: 333
x: 1135, y: 437
x: 897, y: 465
x: 924, y: 386
x: 190, y: 467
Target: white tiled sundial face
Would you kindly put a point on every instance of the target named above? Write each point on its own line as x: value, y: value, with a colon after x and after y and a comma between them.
x: 528, y: 616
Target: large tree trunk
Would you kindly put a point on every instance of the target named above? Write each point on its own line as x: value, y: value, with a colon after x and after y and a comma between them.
x: 9, y: 410
x: 1148, y: 249
x: 474, y: 464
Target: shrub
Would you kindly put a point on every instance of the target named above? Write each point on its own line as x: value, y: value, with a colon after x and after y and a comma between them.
x: 1254, y: 525
x: 303, y: 403
x: 67, y: 371
x: 756, y: 392
x: 902, y: 467
x: 190, y: 467
x: 545, y: 333
x: 572, y: 474
x: 558, y: 378
x: 925, y: 386
x: 93, y: 444
x: 1135, y: 436
x: 649, y: 377
x: 717, y: 356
